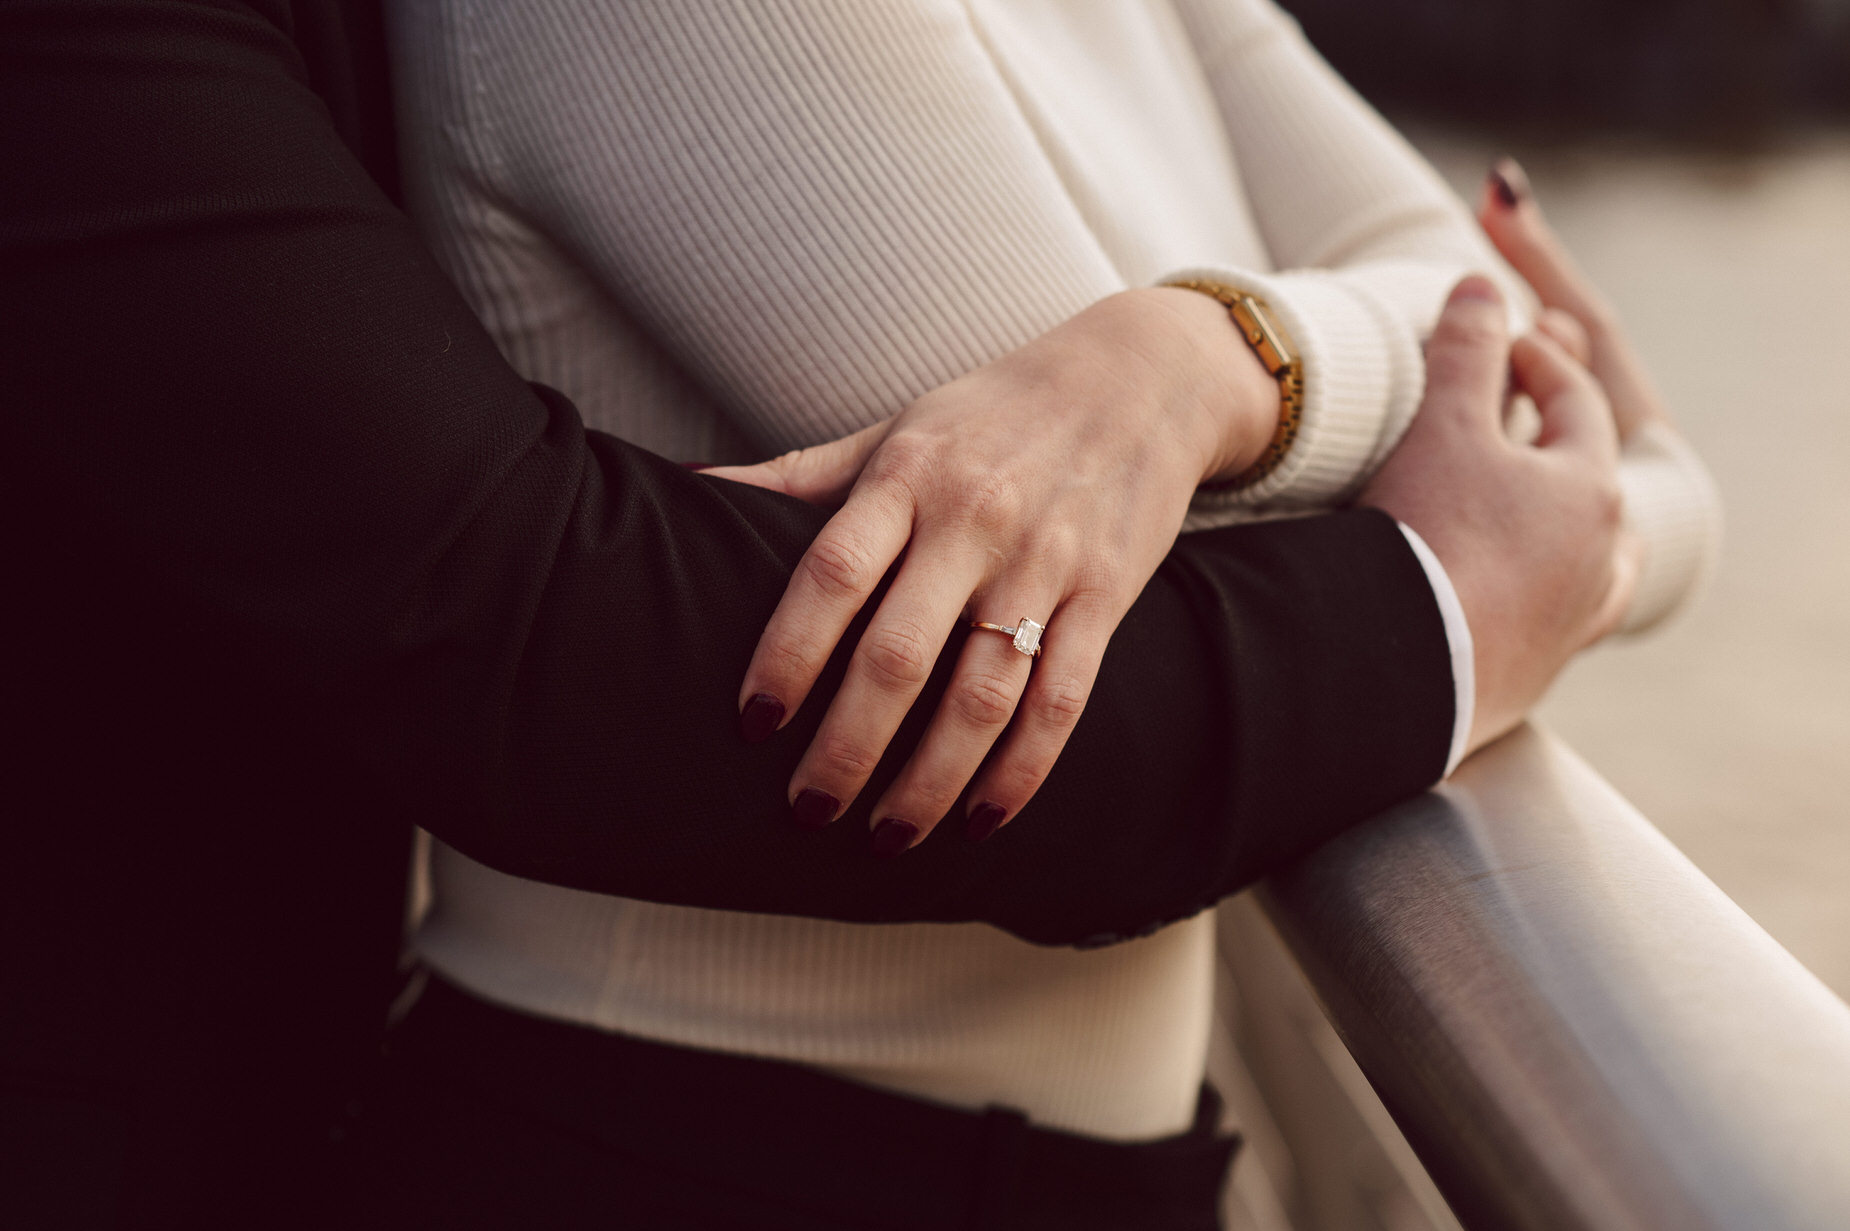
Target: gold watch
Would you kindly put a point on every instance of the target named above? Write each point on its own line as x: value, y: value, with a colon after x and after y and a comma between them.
x: 1272, y: 344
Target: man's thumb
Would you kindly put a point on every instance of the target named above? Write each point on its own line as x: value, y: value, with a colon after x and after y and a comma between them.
x: 821, y: 474
x: 1467, y: 357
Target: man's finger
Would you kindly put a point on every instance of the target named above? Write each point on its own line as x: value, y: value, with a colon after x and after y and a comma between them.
x: 1575, y: 416
x: 823, y: 474
x: 1569, y: 332
x: 1467, y: 356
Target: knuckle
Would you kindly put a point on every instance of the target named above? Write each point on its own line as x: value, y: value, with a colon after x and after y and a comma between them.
x: 982, y: 700
x: 927, y: 797
x: 1097, y: 583
x: 993, y: 503
x: 1017, y: 779
x: 896, y: 656
x: 782, y: 661
x: 845, y: 759
x: 839, y: 567
x: 1064, y: 549
x: 1061, y: 700
x: 904, y: 458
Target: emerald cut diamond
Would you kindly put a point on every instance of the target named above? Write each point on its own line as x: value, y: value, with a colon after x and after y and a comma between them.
x: 1028, y: 636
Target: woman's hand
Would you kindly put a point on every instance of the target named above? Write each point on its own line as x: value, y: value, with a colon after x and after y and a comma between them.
x: 1574, y: 313
x: 1047, y: 485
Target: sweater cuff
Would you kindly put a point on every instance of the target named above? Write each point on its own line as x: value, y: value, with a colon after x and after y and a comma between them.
x: 1363, y: 373
x: 1672, y: 504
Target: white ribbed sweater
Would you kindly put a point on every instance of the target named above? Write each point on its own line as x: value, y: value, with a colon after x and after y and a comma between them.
x: 731, y: 229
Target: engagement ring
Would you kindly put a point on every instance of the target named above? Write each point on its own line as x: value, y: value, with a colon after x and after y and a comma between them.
x: 1027, y: 634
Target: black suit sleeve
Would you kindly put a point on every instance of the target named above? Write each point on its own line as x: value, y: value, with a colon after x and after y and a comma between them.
x: 272, y: 489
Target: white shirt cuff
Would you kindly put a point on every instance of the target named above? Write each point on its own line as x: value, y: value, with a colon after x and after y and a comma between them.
x: 1458, y: 637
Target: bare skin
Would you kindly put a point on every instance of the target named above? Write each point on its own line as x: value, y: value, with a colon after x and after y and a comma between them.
x: 1055, y: 479
x: 1579, y: 319
x: 1528, y: 533
x: 1575, y: 313
x: 1050, y: 484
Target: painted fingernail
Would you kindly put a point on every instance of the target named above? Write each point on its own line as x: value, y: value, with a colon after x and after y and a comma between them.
x: 985, y: 820
x: 813, y: 809
x: 892, y: 836
x: 760, y: 717
x: 1509, y: 183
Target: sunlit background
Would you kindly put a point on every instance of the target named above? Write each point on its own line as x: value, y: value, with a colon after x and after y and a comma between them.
x: 1697, y: 158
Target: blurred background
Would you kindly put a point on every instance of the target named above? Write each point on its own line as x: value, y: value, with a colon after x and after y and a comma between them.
x: 1696, y: 156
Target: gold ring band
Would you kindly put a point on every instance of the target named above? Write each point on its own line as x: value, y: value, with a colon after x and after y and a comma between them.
x: 1026, y: 633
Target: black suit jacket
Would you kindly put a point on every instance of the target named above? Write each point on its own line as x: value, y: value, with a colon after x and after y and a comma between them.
x: 295, y: 561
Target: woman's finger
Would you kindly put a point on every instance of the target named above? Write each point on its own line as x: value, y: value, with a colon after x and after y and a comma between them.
x: 827, y: 590
x: 1514, y: 222
x: 1058, y: 689
x: 1516, y: 226
x: 823, y: 474
x: 1575, y: 416
x: 981, y: 699
x: 888, y: 670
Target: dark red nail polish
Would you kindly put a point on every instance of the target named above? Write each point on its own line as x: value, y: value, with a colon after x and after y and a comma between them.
x: 1506, y: 193
x: 813, y: 809
x: 760, y: 717
x: 984, y: 821
x: 1509, y: 183
x: 698, y: 465
x: 893, y: 836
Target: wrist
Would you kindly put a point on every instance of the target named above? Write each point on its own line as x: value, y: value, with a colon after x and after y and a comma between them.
x: 1220, y: 377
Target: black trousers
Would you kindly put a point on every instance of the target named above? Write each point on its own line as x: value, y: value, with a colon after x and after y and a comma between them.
x: 487, y: 1118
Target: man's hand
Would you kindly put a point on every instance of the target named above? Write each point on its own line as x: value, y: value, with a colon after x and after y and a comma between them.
x: 1529, y: 534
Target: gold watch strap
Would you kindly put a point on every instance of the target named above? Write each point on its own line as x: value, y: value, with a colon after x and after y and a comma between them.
x: 1253, y: 318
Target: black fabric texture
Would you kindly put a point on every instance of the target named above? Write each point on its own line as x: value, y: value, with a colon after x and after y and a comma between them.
x: 295, y: 561
x: 493, y: 1119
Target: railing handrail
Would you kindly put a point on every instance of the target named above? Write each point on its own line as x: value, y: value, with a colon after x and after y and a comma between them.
x: 1573, y: 1026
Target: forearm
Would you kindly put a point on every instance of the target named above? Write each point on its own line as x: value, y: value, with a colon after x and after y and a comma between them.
x: 1241, y: 716
x: 336, y: 511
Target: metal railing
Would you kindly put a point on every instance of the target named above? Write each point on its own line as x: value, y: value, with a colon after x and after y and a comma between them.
x: 1570, y: 1023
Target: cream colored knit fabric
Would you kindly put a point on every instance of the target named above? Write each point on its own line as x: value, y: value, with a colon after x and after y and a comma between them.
x: 730, y: 229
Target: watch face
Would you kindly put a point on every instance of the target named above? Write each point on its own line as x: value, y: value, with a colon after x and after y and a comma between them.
x: 1263, y: 331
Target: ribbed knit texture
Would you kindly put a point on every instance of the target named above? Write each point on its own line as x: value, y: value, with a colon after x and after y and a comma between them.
x: 727, y: 230
x: 1671, y: 503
